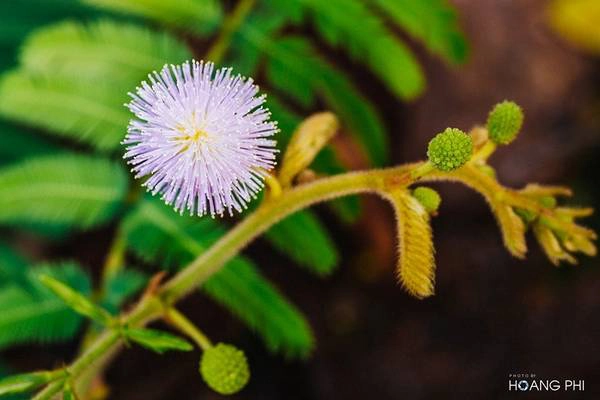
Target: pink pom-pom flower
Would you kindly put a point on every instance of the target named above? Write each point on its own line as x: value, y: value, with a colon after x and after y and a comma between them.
x: 201, y: 137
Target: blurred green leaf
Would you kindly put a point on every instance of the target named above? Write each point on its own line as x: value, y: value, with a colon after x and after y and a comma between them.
x: 199, y: 16
x: 88, y: 112
x: 254, y: 300
x: 433, y: 22
x: 158, y: 341
x: 24, y: 382
x: 302, y: 237
x: 77, y: 301
x: 19, y: 17
x: 65, y: 190
x: 352, y: 26
x: 156, y: 233
x: 101, y: 51
x: 295, y: 69
x: 31, y: 313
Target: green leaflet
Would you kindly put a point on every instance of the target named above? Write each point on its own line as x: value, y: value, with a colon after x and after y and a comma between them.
x: 75, y: 300
x: 156, y: 340
x: 25, y: 382
x: 31, y: 313
x: 88, y: 112
x: 158, y: 234
x: 5, y: 371
x: 199, y: 16
x: 305, y: 240
x: 433, y: 22
x: 102, y: 51
x: 351, y: 25
x: 68, y: 190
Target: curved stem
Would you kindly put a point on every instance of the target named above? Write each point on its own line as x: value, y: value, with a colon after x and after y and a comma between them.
x: 194, y: 274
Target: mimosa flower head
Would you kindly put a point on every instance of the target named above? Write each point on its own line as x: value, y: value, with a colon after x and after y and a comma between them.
x: 202, y: 137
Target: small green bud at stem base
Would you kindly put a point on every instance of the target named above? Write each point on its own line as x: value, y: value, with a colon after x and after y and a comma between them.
x: 429, y: 198
x: 224, y: 368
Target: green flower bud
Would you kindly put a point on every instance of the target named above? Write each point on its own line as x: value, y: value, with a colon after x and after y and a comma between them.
x: 450, y: 149
x: 504, y: 122
x: 224, y: 368
x: 429, y: 198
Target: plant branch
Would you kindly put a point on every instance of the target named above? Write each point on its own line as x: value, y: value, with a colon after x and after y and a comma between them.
x: 271, y: 211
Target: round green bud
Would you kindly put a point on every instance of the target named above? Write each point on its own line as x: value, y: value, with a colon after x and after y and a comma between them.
x: 504, y: 122
x: 450, y: 149
x: 224, y: 368
x: 429, y: 198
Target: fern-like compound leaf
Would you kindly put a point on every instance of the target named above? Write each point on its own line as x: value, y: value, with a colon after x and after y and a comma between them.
x: 433, y: 22
x: 66, y: 190
x: 353, y: 26
x: 31, y: 313
x: 157, y: 234
x: 416, y: 264
x: 106, y: 50
x: 295, y: 69
x: 87, y: 112
x: 198, y: 16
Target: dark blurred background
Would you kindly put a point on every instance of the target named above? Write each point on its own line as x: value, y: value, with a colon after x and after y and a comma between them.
x: 492, y: 315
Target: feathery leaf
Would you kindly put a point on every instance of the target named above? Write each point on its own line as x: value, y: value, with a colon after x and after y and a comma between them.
x: 31, y: 313
x: 66, y: 190
x: 352, y: 26
x: 88, y: 112
x: 433, y: 22
x: 157, y: 234
x: 103, y: 50
x: 295, y: 68
x: 416, y: 264
x: 75, y: 300
x: 198, y: 16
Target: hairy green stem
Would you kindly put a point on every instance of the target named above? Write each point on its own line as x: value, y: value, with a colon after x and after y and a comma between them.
x: 230, y: 25
x: 194, y: 274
